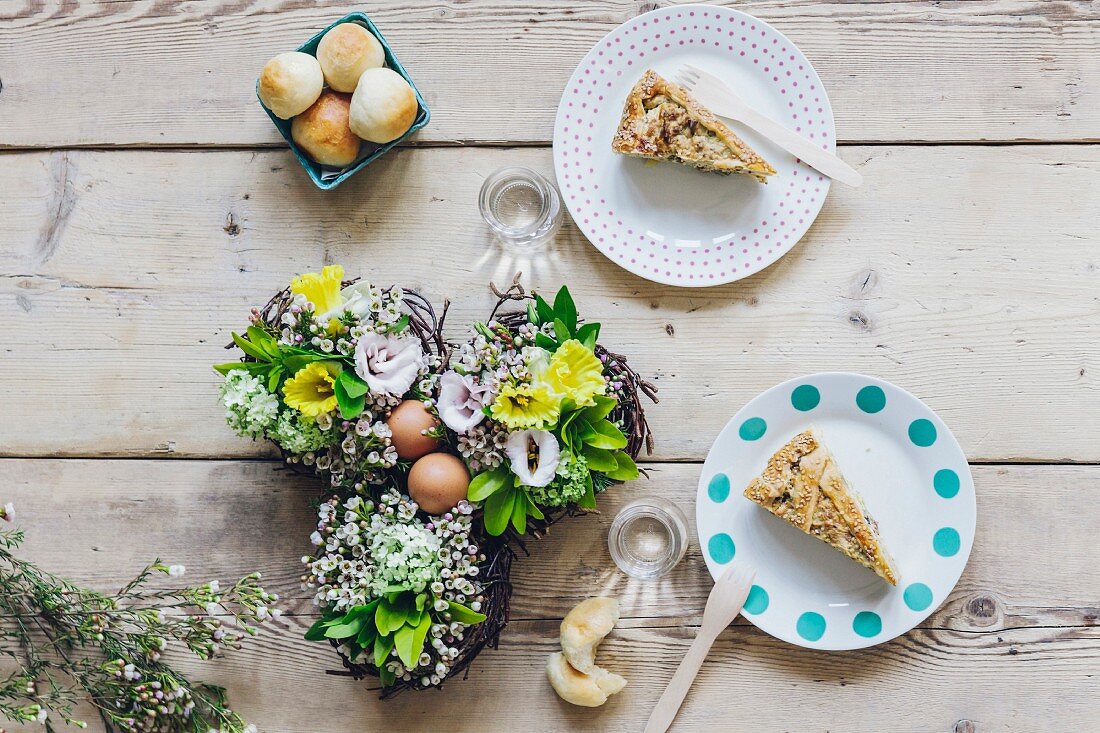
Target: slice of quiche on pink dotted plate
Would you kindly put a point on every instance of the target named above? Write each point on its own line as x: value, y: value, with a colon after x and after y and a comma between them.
x: 671, y: 223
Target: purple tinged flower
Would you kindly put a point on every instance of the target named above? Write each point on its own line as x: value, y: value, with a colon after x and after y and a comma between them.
x: 388, y: 364
x: 461, y: 401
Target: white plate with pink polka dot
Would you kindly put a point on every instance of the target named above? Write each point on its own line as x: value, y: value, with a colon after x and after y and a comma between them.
x: 667, y: 222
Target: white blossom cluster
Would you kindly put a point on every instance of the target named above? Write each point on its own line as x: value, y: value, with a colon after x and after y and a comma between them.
x: 303, y: 326
x: 365, y: 548
x: 249, y: 408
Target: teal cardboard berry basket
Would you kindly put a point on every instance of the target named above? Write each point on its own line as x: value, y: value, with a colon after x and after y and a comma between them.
x: 368, y: 152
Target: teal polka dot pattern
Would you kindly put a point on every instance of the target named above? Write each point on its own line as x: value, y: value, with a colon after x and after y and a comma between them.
x: 918, y: 596
x: 946, y: 483
x: 922, y: 432
x: 871, y: 399
x: 758, y: 600
x: 721, y: 548
x: 810, y: 626
x: 753, y: 429
x: 867, y: 624
x: 719, y: 488
x: 805, y: 397
x: 946, y: 542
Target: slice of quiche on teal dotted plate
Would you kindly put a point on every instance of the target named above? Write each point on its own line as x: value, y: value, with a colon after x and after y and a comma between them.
x: 911, y: 477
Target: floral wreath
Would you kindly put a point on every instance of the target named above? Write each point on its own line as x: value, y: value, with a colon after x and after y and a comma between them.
x: 439, y: 459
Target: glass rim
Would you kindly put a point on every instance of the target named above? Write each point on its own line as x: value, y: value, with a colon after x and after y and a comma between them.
x: 493, y: 181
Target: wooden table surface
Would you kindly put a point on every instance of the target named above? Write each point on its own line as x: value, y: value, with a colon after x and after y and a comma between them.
x: 146, y: 202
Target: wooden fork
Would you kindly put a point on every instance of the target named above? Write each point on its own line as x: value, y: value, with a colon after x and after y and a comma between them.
x: 724, y: 603
x: 720, y: 98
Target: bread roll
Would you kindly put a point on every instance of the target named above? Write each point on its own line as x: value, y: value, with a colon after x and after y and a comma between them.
x: 345, y: 52
x: 584, y: 627
x: 290, y: 83
x: 587, y: 690
x: 383, y: 107
x: 322, y: 131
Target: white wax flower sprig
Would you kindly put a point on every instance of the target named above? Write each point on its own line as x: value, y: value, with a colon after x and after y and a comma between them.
x: 73, y: 645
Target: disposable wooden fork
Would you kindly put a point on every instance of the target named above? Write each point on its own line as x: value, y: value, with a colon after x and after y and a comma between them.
x: 724, y: 603
x: 716, y: 95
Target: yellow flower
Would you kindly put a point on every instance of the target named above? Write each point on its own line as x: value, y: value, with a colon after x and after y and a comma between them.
x: 574, y: 372
x: 322, y: 290
x: 312, y: 390
x: 522, y: 406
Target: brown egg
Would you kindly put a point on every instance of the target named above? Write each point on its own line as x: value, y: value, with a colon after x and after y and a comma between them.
x: 438, y: 481
x: 407, y: 422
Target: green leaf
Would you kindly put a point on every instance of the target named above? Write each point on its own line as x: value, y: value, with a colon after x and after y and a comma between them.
x: 627, y: 470
x: 390, y: 616
x: 587, y: 335
x: 317, y: 631
x: 366, y: 636
x: 263, y: 341
x: 599, y: 459
x: 399, y: 325
x: 588, y: 501
x: 544, y: 310
x: 464, y: 614
x: 409, y: 641
x: 350, y: 626
x: 561, y: 331
x: 296, y: 361
x: 354, y: 385
x: 533, y: 313
x: 600, y: 410
x: 545, y: 342
x: 273, y: 378
x: 519, y: 511
x: 603, y: 434
x: 565, y: 310
x: 383, y: 645
x: 421, y: 600
x: 486, y: 484
x: 249, y: 348
x: 350, y: 407
x: 498, y: 511
x: 246, y: 366
x: 533, y: 510
x: 386, y: 677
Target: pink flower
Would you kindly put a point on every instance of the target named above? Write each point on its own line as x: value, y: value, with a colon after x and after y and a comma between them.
x: 461, y: 399
x: 388, y: 364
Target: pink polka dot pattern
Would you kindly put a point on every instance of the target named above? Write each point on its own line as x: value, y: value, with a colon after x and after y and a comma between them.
x: 617, y: 61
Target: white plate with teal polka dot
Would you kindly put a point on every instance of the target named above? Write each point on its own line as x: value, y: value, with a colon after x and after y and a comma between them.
x: 912, y: 475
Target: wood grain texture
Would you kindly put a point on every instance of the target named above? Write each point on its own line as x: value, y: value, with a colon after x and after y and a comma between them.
x: 967, y: 275
x: 1019, y: 631
x: 99, y: 520
x: 176, y: 73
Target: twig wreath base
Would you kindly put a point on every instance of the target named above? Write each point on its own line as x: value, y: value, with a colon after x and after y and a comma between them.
x: 275, y: 350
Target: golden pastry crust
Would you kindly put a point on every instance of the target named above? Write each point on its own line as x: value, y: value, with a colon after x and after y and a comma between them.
x: 662, y: 121
x: 803, y: 486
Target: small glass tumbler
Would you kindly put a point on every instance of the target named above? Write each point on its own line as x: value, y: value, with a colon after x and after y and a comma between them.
x: 648, y: 537
x: 522, y: 208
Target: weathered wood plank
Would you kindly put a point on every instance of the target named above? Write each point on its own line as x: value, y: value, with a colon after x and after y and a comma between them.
x: 965, y: 274
x: 927, y: 682
x: 997, y: 662
x: 99, y: 520
x: 183, y: 73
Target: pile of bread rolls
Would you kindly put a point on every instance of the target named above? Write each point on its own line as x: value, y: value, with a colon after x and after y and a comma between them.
x: 364, y: 100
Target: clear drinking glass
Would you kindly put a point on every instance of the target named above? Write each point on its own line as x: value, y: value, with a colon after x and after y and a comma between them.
x: 648, y: 537
x: 522, y: 208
